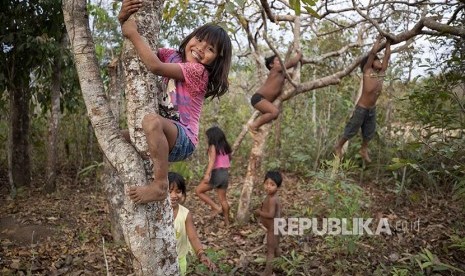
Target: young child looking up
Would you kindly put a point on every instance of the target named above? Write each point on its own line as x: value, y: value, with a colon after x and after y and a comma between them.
x: 216, y: 175
x: 197, y: 70
x: 184, y: 227
x: 364, y: 115
x: 270, y: 90
x: 270, y: 209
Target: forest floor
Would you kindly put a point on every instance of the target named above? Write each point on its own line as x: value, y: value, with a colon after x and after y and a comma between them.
x: 68, y: 233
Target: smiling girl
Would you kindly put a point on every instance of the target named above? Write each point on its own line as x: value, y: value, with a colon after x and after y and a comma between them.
x: 197, y: 70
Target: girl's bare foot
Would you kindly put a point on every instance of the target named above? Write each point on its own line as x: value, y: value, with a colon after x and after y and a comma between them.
x: 155, y: 191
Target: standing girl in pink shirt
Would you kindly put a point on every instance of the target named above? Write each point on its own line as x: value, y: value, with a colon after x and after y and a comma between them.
x: 216, y: 175
x: 197, y: 70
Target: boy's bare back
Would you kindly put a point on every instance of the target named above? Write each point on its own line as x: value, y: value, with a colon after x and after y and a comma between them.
x: 274, y: 83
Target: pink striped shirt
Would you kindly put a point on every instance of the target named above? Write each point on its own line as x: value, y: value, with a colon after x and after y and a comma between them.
x: 183, y: 102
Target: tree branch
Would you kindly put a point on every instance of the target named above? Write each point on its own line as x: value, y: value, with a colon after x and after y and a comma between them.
x: 431, y: 23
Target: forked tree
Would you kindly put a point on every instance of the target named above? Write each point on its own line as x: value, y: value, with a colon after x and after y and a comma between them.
x: 148, y: 229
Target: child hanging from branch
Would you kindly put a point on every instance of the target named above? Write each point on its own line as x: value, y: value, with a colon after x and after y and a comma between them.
x: 364, y: 115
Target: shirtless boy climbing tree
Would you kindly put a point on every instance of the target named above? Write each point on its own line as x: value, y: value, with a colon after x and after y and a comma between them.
x: 364, y: 115
x: 270, y: 90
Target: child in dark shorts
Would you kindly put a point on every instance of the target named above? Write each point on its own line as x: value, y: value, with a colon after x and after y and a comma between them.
x: 217, y: 173
x: 270, y: 90
x: 364, y: 116
x: 364, y: 119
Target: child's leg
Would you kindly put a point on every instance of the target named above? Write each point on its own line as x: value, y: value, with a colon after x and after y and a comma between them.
x: 368, y: 132
x: 269, y: 113
x: 271, y: 245
x: 351, y: 129
x: 364, y: 151
x: 161, y: 136
x: 338, y: 147
x: 201, y: 190
x: 277, y: 251
x: 224, y: 204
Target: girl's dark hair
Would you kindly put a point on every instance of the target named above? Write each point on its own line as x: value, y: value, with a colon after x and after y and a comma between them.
x: 275, y: 176
x: 269, y: 61
x: 364, y: 61
x: 217, y: 138
x: 219, y: 69
x: 177, y: 179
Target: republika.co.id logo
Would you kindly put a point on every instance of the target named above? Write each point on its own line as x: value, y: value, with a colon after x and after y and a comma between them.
x: 340, y: 226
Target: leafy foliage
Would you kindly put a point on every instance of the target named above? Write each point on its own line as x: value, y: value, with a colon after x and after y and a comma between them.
x: 426, y: 260
x: 30, y: 35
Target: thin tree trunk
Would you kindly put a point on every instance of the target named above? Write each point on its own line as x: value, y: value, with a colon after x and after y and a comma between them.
x: 253, y: 170
x: 50, y: 183
x: 19, y: 160
x: 89, y: 156
x: 148, y: 228
x: 277, y: 137
x: 315, y: 125
x: 388, y: 117
x: 254, y: 166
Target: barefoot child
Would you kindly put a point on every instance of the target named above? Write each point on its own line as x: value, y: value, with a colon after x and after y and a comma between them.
x: 216, y: 175
x: 364, y: 115
x: 270, y: 90
x: 270, y: 209
x: 184, y: 225
x: 197, y: 70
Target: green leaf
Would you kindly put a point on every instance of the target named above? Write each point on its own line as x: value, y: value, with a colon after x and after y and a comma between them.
x: 312, y: 12
x: 309, y: 2
x: 295, y: 5
x: 260, y: 260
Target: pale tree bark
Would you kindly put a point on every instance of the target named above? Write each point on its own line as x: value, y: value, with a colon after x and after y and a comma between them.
x: 315, y: 127
x: 277, y: 139
x: 54, y: 120
x: 113, y: 186
x: 148, y: 229
x: 114, y: 192
x: 116, y: 87
x: 253, y: 170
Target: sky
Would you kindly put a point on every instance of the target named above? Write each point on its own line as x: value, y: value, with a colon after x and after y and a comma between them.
x: 430, y: 51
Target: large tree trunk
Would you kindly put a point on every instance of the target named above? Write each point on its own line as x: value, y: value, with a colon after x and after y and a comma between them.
x: 19, y: 160
x: 148, y: 229
x: 50, y: 183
